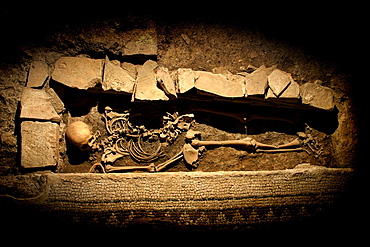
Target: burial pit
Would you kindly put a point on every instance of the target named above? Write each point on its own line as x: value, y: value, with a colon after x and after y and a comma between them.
x: 143, y: 122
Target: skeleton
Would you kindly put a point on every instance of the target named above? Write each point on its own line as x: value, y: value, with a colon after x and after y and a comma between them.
x: 126, y: 139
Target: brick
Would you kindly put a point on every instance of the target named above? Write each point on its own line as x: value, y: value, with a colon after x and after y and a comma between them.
x: 78, y: 72
x: 39, y: 144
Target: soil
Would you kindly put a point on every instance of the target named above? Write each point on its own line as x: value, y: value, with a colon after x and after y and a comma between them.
x: 199, y: 44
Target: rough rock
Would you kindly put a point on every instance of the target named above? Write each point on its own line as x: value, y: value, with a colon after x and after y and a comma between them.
x: 78, y: 72
x: 278, y: 81
x: 36, y: 104
x: 116, y: 78
x: 317, y: 96
x: 38, y: 74
x: 140, y: 42
x: 39, y: 144
x: 185, y: 79
x: 219, y: 85
x: 146, y: 84
x: 165, y: 82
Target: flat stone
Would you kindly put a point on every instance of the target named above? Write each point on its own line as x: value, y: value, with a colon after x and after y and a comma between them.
x: 146, y: 84
x: 165, y: 82
x: 38, y: 74
x: 140, y: 42
x: 36, y: 104
x: 317, y: 96
x: 185, y: 79
x: 278, y: 81
x: 256, y: 82
x: 78, y: 72
x: 116, y: 78
x: 219, y: 85
x: 292, y: 92
x: 39, y: 144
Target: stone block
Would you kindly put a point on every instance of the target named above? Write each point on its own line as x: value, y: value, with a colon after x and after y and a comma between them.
x: 140, y: 42
x: 185, y: 79
x: 146, y: 84
x: 291, y: 92
x: 38, y: 74
x: 219, y: 85
x: 278, y: 81
x: 78, y: 72
x: 317, y: 96
x: 256, y: 82
x: 39, y: 144
x: 116, y: 78
x: 36, y: 104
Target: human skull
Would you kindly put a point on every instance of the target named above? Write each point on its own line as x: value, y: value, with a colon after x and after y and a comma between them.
x: 78, y: 133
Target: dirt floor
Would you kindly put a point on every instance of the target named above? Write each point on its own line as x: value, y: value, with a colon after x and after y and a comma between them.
x: 199, y: 44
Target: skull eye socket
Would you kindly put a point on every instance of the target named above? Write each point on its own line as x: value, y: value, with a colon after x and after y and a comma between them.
x: 84, y: 147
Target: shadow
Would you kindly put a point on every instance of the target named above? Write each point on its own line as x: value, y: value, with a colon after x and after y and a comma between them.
x: 251, y: 119
x: 323, y: 121
x: 77, y: 102
x: 75, y: 155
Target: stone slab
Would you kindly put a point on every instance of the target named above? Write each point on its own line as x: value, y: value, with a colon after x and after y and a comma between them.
x: 185, y: 79
x: 291, y: 92
x: 219, y: 85
x: 130, y: 69
x: 116, y: 78
x: 256, y: 82
x: 56, y: 101
x: 140, y: 42
x: 38, y: 74
x: 278, y: 81
x: 317, y: 96
x: 36, y: 104
x: 146, y: 84
x: 39, y: 144
x: 78, y: 72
